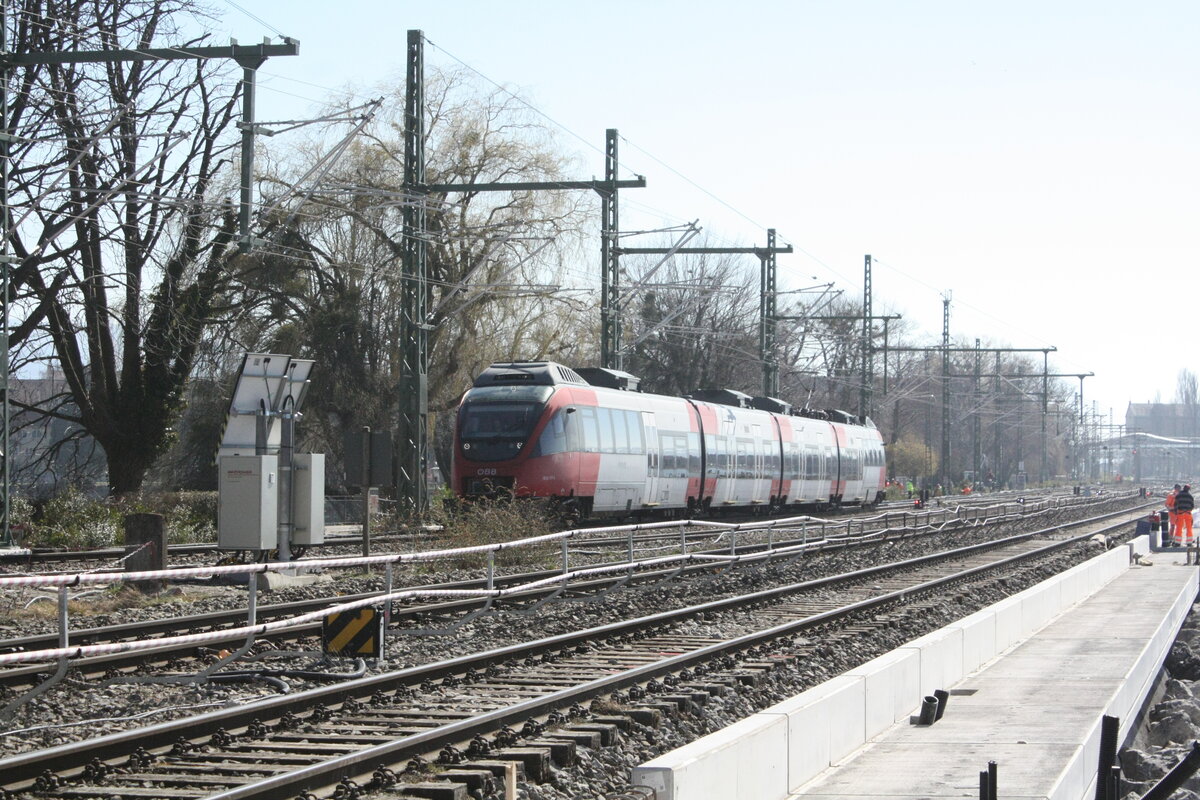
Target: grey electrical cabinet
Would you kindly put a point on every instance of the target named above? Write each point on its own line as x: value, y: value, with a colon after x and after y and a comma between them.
x: 248, y: 502
x: 308, y: 493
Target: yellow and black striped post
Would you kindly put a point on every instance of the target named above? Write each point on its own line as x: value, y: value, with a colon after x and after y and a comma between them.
x: 353, y: 634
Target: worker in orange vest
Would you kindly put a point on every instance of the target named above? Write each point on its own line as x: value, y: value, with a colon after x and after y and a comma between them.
x: 1184, y: 503
x: 1171, y: 532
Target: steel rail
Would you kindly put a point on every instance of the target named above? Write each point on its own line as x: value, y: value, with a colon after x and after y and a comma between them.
x: 20, y: 676
x: 19, y: 771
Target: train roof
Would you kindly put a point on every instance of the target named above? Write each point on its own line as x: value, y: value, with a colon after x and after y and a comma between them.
x: 530, y: 373
x: 610, y: 378
x: 551, y: 373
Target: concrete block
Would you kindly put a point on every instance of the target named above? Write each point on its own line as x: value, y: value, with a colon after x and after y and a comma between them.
x: 1039, y: 604
x: 941, y: 659
x: 762, y: 759
x: 1073, y: 779
x: 892, y: 685
x: 824, y: 724
x: 270, y: 581
x: 978, y: 640
x: 808, y: 743
x: 1008, y: 623
x: 1075, y: 585
x: 750, y: 753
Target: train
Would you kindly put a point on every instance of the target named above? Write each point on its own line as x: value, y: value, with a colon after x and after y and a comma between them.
x: 594, y: 445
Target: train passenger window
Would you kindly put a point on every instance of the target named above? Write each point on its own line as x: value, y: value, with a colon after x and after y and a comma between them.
x: 693, y: 443
x: 666, y: 446
x: 711, y: 469
x: 604, y: 423
x: 637, y: 438
x: 620, y: 431
x: 591, y: 436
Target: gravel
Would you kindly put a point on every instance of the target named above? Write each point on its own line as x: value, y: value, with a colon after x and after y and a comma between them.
x: 1172, y: 724
x: 55, y: 717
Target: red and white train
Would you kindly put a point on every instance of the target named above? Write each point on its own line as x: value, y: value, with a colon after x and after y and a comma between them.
x: 600, y: 448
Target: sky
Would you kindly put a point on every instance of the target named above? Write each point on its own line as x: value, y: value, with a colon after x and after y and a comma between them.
x: 1034, y: 160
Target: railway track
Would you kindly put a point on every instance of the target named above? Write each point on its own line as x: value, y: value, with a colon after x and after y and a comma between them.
x: 346, y: 538
x: 177, y: 656
x: 472, y: 711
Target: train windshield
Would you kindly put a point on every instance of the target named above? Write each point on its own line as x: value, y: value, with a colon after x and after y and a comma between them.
x: 495, y: 422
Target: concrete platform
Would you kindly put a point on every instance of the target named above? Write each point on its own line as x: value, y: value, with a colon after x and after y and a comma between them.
x: 1031, y: 679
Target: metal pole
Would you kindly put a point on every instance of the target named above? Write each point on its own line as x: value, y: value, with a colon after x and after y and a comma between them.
x: 5, y: 265
x: 1044, y: 474
x: 1174, y: 779
x: 864, y: 391
x: 387, y: 610
x: 63, y: 622
x: 944, y: 467
x: 610, y: 269
x: 366, y: 490
x: 252, y: 601
x: 768, y: 312
x: 247, y: 176
x: 411, y: 490
x: 287, y: 436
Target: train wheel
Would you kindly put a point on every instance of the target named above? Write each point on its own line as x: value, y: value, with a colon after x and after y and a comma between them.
x: 568, y: 511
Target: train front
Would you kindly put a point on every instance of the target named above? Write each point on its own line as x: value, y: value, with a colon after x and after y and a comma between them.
x: 510, y: 437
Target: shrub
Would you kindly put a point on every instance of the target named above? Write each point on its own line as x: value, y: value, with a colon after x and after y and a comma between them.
x: 493, y: 520
x: 75, y: 521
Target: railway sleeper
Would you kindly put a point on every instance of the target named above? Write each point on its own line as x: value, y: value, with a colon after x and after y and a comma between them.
x: 590, y: 739
x: 476, y: 780
x: 536, y: 760
x: 435, y: 790
x: 608, y: 731
x: 562, y: 751
x: 500, y: 769
x: 669, y: 710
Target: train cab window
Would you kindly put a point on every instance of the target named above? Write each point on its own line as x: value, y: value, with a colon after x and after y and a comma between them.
x: 553, y: 438
x: 496, y: 425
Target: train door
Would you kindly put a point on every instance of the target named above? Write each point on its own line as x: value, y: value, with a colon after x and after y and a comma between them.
x: 758, y: 469
x: 653, y: 498
x: 832, y: 477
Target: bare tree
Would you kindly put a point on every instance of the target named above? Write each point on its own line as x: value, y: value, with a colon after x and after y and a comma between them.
x: 332, y: 275
x: 117, y: 221
x: 692, y: 325
x: 1188, y: 395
